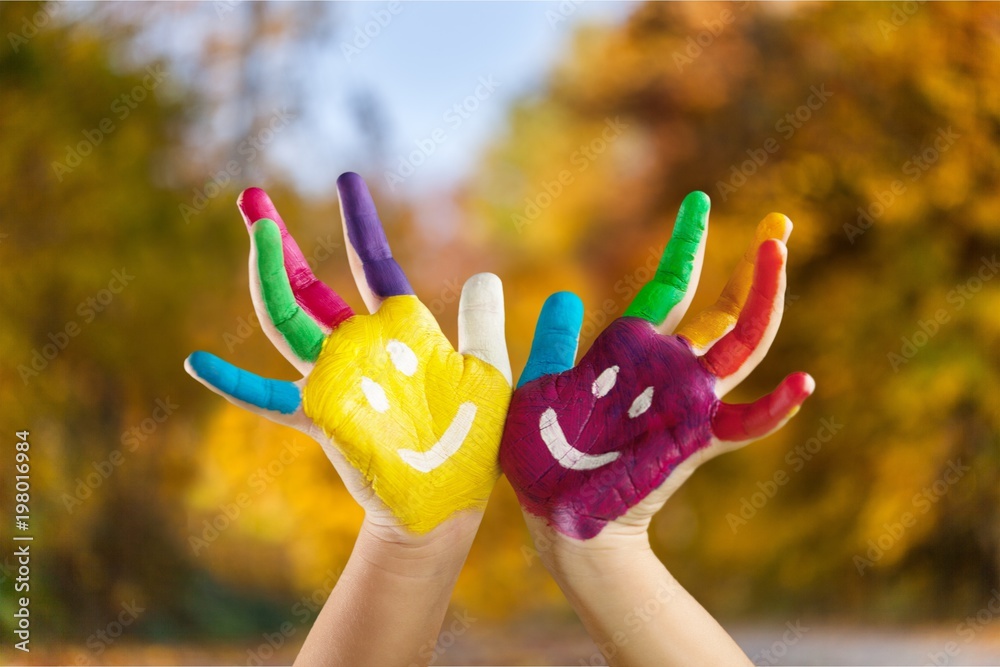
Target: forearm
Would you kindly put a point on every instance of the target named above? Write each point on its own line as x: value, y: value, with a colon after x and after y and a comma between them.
x: 389, y: 603
x: 633, y: 608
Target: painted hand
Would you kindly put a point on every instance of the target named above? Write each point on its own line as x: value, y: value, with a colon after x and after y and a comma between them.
x: 610, y: 439
x: 411, y: 425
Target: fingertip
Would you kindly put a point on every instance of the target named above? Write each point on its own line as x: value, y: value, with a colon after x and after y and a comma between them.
x: 483, y: 291
x: 771, y: 255
x: 775, y: 226
x: 563, y: 307
x: 791, y: 394
x: 265, y: 230
x: 802, y: 385
x: 697, y: 201
x: 201, y: 365
x: 485, y: 280
x: 254, y: 204
x: 355, y: 198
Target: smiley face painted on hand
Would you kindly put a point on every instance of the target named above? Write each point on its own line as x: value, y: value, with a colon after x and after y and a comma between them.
x: 393, y: 377
x: 412, y: 425
x: 599, y: 438
x: 585, y: 445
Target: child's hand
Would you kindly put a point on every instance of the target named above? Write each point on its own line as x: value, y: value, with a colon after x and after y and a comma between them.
x: 610, y: 439
x: 412, y: 426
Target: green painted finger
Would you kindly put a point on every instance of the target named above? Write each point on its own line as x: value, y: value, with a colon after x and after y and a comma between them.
x: 673, y: 276
x: 303, y: 335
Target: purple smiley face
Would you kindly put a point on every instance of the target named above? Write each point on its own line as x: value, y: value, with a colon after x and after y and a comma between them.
x: 584, y: 446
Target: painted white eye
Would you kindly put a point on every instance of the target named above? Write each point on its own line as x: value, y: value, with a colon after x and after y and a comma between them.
x: 641, y: 403
x: 604, y: 382
x: 375, y: 394
x: 402, y: 357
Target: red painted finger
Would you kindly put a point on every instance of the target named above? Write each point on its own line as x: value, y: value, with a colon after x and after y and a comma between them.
x: 322, y: 303
x: 749, y: 421
x: 739, y: 351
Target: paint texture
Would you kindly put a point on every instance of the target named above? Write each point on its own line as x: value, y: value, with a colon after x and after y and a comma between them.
x: 579, y: 502
x: 669, y: 285
x: 711, y: 324
x: 583, y: 445
x: 419, y: 421
x: 303, y: 335
x: 276, y: 395
x: 366, y: 236
x: 321, y: 302
x: 449, y: 411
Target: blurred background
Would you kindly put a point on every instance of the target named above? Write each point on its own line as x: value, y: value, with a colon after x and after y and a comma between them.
x: 550, y: 143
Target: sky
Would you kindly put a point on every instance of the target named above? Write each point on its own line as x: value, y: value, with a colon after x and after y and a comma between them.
x: 422, y: 61
x: 441, y: 77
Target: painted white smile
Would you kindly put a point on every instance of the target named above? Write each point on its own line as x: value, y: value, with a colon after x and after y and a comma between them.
x: 405, y: 361
x: 450, y: 442
x: 569, y: 456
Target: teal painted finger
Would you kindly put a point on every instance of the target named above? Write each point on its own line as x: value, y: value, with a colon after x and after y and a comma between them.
x: 304, y: 336
x: 557, y: 335
x: 673, y: 276
x: 277, y: 395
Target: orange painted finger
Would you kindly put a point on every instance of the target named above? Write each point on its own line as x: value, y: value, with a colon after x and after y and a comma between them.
x: 738, y: 352
x: 714, y: 322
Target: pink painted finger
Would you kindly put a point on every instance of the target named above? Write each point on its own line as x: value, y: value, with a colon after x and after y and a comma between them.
x: 749, y: 421
x: 322, y: 303
x: 738, y: 352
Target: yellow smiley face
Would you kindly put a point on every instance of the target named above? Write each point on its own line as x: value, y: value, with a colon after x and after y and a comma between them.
x: 421, y: 422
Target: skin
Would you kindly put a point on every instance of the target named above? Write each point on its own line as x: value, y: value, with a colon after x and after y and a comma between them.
x: 594, y: 450
x: 411, y: 424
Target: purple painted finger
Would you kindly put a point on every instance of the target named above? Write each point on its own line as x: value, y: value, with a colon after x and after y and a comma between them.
x: 384, y: 276
x: 316, y: 298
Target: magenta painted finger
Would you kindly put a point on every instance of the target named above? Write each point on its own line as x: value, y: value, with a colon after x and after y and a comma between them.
x: 384, y: 276
x: 315, y: 297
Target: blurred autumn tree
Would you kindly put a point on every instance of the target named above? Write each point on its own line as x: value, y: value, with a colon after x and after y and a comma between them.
x: 876, y: 128
x: 105, y: 290
x: 578, y: 194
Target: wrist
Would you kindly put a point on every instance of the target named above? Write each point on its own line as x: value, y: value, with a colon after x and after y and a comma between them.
x: 439, y: 553
x: 614, y: 551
